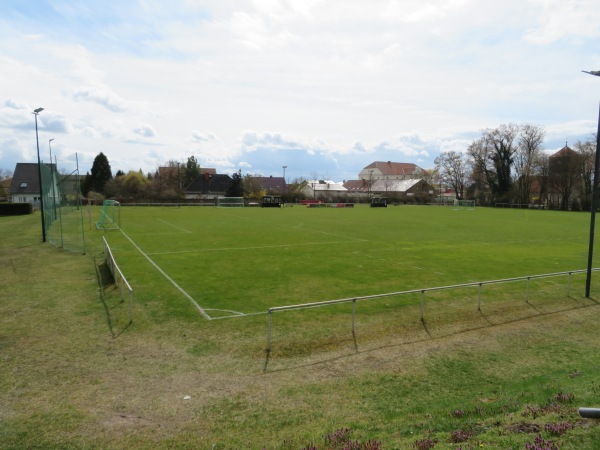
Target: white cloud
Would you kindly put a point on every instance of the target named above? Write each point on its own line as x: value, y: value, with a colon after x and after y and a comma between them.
x: 198, y: 136
x: 145, y: 130
x: 102, y: 96
x: 328, y: 85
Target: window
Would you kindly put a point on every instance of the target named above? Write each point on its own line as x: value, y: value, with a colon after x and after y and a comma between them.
x: 24, y: 184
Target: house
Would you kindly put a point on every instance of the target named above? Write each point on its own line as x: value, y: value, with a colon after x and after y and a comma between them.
x: 564, y: 179
x: 270, y: 184
x: 326, y: 190
x: 416, y: 190
x: 208, y: 185
x: 25, y: 184
x: 389, y: 170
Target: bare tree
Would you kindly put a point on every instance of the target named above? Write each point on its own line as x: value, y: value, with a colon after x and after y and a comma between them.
x: 529, y: 145
x: 586, y: 150
x: 492, y: 157
x: 453, y: 168
x: 541, y: 171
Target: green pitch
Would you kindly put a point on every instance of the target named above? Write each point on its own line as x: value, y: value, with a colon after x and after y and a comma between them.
x: 245, y: 260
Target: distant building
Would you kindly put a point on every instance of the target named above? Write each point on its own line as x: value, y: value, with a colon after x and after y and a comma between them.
x: 397, y: 181
x: 270, y: 185
x: 325, y: 190
x: 208, y: 185
x: 379, y: 170
x: 25, y: 185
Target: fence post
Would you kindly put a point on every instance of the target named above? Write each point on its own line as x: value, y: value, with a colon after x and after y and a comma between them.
x: 423, y: 305
x: 130, y: 306
x: 353, y: 314
x: 269, y: 332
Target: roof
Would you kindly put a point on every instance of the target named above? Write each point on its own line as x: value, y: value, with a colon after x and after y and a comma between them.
x: 25, y: 179
x: 382, y: 185
x: 394, y: 185
x: 394, y: 168
x: 325, y: 185
x: 274, y: 183
x: 565, y: 151
x: 208, y: 183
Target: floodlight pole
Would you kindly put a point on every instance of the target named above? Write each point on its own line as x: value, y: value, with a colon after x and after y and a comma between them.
x: 283, y: 188
x: 588, y: 279
x: 36, y: 112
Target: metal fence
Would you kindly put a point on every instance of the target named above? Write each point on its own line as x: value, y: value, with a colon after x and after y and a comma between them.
x: 479, y: 285
x: 120, y: 280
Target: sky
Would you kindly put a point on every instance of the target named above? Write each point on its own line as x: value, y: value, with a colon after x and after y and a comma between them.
x: 323, y: 87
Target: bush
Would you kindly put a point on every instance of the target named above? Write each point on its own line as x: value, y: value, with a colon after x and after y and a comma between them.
x: 15, y: 209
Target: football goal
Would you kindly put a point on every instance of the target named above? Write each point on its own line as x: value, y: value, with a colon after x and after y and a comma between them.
x: 464, y: 204
x: 110, y: 216
x: 230, y: 202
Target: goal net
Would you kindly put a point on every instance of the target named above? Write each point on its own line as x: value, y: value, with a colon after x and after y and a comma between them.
x: 230, y: 202
x: 110, y: 216
x: 464, y: 204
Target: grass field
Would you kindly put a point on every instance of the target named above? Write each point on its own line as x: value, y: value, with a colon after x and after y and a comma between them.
x: 247, y: 260
x: 75, y: 374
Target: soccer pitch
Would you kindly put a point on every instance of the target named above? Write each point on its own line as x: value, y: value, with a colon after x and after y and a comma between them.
x: 241, y: 261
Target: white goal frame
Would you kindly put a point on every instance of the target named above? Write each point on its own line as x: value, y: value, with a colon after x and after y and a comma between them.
x: 230, y: 202
x: 464, y: 204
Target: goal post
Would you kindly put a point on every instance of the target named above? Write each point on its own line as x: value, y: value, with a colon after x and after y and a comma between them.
x: 110, y: 216
x: 464, y: 204
x: 230, y: 202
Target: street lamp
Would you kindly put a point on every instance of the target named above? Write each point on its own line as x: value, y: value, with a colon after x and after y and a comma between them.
x: 36, y: 112
x: 283, y: 189
x: 588, y: 279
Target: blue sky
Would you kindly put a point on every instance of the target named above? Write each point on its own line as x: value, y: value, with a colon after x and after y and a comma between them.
x: 323, y: 87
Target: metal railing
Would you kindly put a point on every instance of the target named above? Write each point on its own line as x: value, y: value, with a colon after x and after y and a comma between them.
x: 354, y: 300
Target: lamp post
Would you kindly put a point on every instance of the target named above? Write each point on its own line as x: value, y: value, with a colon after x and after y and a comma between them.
x: 588, y: 279
x: 36, y: 112
x: 283, y: 188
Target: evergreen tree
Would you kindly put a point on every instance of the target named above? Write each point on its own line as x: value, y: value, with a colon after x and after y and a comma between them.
x: 236, y: 187
x: 101, y: 173
x: 192, y: 170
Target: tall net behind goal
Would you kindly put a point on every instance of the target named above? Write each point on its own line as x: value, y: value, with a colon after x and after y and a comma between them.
x: 110, y: 216
x: 230, y: 202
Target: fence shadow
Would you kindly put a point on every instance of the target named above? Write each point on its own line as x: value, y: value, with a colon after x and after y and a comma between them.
x: 110, y: 298
x: 429, y: 335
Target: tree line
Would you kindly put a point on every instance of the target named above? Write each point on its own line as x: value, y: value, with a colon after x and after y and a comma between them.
x: 508, y: 164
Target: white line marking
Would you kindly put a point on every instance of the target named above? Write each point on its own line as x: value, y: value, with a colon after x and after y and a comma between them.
x: 223, y: 249
x: 188, y: 296
x: 174, y: 226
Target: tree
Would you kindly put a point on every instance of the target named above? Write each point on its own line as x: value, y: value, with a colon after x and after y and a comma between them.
x: 529, y: 145
x: 134, y: 185
x: 236, y: 187
x: 192, y: 170
x: 587, y: 152
x: 452, y: 167
x: 100, y: 173
x: 252, y: 188
x: 492, y: 157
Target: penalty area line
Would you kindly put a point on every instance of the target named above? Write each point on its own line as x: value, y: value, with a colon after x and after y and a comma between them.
x: 179, y: 288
